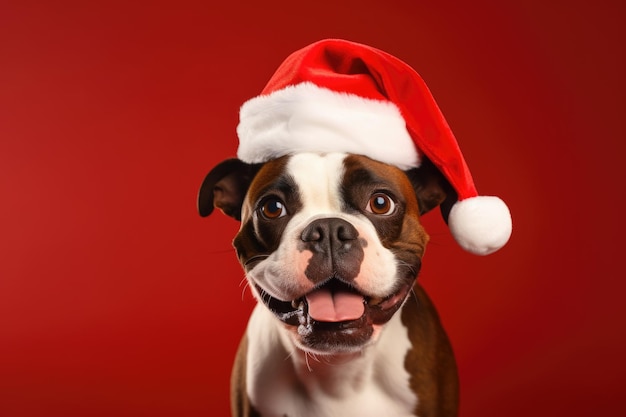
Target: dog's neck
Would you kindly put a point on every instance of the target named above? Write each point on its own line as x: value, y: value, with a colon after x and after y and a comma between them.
x: 283, y: 380
x: 346, y: 374
x: 338, y: 375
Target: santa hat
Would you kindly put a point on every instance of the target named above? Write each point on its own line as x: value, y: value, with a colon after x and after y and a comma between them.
x: 340, y: 96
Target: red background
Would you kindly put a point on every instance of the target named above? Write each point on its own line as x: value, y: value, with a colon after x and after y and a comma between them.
x: 117, y: 299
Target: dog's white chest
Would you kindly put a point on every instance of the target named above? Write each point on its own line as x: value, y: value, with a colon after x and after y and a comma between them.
x: 280, y: 384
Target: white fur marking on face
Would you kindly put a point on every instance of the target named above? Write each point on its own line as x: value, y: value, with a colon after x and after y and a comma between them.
x: 319, y: 179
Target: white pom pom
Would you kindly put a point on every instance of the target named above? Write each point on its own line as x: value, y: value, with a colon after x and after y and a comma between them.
x: 481, y: 225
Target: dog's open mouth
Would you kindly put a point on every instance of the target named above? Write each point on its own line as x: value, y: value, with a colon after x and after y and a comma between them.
x: 336, y: 313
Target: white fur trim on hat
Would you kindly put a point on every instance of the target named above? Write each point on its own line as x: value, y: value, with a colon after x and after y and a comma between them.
x: 305, y: 117
x: 481, y: 225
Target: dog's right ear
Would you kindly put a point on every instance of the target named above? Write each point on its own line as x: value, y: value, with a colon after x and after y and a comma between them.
x: 225, y: 187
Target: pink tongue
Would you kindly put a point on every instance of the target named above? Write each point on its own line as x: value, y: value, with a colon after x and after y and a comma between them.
x: 329, y: 307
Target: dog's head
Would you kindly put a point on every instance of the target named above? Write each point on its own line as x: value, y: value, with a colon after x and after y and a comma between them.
x: 330, y: 243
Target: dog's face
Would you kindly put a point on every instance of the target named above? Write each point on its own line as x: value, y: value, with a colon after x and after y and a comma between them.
x: 330, y: 243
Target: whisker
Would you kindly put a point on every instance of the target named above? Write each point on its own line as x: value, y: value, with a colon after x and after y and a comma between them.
x: 255, y: 258
x: 290, y: 354
x: 246, y: 284
x: 266, y: 297
x: 408, y: 266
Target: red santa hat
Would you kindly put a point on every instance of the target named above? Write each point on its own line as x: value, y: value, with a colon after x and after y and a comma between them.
x: 340, y: 96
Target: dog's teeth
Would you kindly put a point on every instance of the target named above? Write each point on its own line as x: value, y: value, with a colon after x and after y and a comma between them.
x: 296, y: 303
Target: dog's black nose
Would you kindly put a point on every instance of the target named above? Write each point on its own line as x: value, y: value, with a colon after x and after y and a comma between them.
x: 330, y: 233
x: 337, y: 251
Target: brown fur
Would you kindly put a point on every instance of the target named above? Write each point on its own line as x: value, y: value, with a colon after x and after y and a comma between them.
x: 431, y: 361
x: 239, y: 402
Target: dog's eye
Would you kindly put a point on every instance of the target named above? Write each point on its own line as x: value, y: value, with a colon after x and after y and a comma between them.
x: 273, y: 208
x: 381, y: 204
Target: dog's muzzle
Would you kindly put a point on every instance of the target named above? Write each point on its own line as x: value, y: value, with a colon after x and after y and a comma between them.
x: 335, y: 312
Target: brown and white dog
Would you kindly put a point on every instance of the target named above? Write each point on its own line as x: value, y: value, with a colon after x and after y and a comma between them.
x: 331, y: 244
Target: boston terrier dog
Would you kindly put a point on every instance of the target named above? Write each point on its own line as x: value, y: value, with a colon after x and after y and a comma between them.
x: 339, y: 157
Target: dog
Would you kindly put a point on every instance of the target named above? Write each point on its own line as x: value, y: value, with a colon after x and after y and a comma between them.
x: 331, y: 244
x: 339, y: 157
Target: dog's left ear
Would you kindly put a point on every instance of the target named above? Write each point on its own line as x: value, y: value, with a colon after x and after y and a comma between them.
x: 432, y: 188
x: 225, y: 187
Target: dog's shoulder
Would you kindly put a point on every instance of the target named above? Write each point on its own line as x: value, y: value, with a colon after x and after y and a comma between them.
x: 430, y: 360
